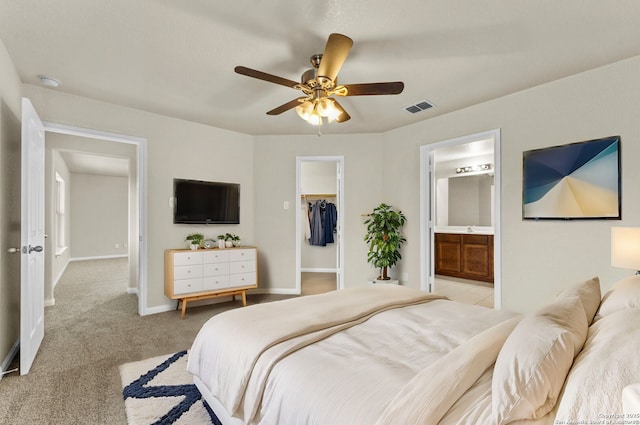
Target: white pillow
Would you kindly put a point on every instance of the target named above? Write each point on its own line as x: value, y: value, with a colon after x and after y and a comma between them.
x: 533, y: 363
x: 589, y: 294
x: 624, y: 294
x: 608, y: 363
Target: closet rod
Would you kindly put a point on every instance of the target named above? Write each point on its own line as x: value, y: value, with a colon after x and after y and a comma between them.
x: 319, y: 195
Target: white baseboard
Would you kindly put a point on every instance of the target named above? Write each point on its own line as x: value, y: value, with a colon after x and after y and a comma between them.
x: 275, y: 291
x: 50, y: 302
x: 163, y: 308
x: 318, y: 270
x: 158, y: 309
x: 7, y: 360
x: 132, y: 291
x: 99, y: 257
x: 57, y: 279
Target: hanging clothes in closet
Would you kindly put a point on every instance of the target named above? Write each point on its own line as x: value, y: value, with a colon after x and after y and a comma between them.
x: 323, y: 217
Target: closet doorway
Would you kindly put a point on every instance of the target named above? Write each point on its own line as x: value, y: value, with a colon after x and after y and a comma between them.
x: 319, y: 224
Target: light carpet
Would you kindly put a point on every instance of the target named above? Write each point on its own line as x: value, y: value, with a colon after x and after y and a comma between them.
x: 160, y: 391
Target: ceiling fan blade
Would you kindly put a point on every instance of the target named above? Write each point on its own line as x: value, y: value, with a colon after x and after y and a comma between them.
x: 335, y: 53
x: 367, y: 89
x: 289, y: 105
x: 265, y: 77
x: 344, y: 116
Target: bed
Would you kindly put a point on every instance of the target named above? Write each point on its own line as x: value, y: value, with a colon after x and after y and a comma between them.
x: 386, y: 354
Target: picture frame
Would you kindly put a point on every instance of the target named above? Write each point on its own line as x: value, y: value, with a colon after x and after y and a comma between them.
x: 575, y: 181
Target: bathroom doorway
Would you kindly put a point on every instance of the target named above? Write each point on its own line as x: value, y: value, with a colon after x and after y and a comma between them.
x: 319, y: 219
x: 461, y: 210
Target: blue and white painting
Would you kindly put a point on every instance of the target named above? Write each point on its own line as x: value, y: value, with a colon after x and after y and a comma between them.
x: 574, y: 181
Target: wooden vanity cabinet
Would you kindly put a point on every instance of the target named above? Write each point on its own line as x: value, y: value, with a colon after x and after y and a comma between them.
x: 468, y: 256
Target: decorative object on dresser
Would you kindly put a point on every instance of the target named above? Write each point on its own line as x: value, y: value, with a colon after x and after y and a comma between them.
x: 191, y: 276
x: 384, y: 237
x: 230, y: 240
x: 195, y: 240
x: 469, y: 256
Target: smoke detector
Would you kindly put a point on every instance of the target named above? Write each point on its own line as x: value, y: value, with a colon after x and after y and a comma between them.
x: 47, y: 81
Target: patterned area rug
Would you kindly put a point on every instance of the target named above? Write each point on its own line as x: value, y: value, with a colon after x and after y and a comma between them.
x: 160, y: 391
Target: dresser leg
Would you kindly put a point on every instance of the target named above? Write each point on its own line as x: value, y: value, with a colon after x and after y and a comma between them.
x: 184, y: 308
x: 244, y: 298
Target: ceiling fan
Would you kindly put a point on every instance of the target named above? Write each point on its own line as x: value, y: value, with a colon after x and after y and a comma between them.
x: 321, y: 82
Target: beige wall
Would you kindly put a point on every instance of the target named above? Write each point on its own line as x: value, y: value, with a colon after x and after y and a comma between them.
x: 10, y: 112
x: 99, y: 214
x: 175, y: 148
x: 275, y: 180
x: 538, y: 258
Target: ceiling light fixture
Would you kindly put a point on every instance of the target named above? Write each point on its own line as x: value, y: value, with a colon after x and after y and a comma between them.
x: 314, y: 111
x: 473, y: 168
x: 47, y: 81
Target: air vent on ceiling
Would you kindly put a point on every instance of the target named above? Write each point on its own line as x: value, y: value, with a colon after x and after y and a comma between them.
x: 420, y: 106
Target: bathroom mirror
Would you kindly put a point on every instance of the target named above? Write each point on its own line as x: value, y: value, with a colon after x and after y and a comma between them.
x: 465, y: 200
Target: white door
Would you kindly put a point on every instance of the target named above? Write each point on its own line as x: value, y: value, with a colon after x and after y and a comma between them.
x: 32, y: 237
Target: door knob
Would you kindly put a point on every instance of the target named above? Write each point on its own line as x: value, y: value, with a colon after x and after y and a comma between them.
x: 35, y: 248
x: 13, y: 250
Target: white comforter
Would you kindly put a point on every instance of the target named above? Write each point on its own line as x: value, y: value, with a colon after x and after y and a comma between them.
x: 399, y: 360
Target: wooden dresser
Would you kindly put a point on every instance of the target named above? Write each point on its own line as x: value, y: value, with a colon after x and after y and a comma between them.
x: 465, y: 255
x: 191, y: 275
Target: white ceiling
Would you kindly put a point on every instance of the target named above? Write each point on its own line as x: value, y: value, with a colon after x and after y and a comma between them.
x: 176, y: 57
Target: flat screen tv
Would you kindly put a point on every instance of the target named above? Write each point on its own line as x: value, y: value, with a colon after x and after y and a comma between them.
x: 202, y: 202
x: 574, y: 181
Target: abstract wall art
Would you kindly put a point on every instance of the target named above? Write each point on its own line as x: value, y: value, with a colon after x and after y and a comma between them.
x: 574, y: 181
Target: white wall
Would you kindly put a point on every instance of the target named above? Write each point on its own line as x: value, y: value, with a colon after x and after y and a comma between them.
x: 175, y: 148
x: 538, y: 258
x: 99, y: 215
x: 10, y: 113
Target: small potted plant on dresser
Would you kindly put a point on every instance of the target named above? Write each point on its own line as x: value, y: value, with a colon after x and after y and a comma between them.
x: 230, y: 240
x: 195, y: 240
x: 384, y: 238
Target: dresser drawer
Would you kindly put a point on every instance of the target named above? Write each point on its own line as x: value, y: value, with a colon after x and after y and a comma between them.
x: 215, y: 256
x: 212, y: 283
x: 242, y: 267
x: 242, y: 279
x: 215, y: 269
x: 187, y: 258
x: 185, y: 286
x: 187, y: 272
x: 242, y: 254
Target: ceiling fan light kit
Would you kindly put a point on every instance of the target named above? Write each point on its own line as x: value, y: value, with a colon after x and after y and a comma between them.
x: 321, y: 82
x: 314, y: 111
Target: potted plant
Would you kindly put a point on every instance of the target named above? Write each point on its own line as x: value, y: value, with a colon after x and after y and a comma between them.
x: 195, y: 240
x: 384, y: 237
x: 229, y: 239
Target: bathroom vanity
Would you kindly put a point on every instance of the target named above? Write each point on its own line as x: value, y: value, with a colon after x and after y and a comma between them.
x: 464, y: 253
